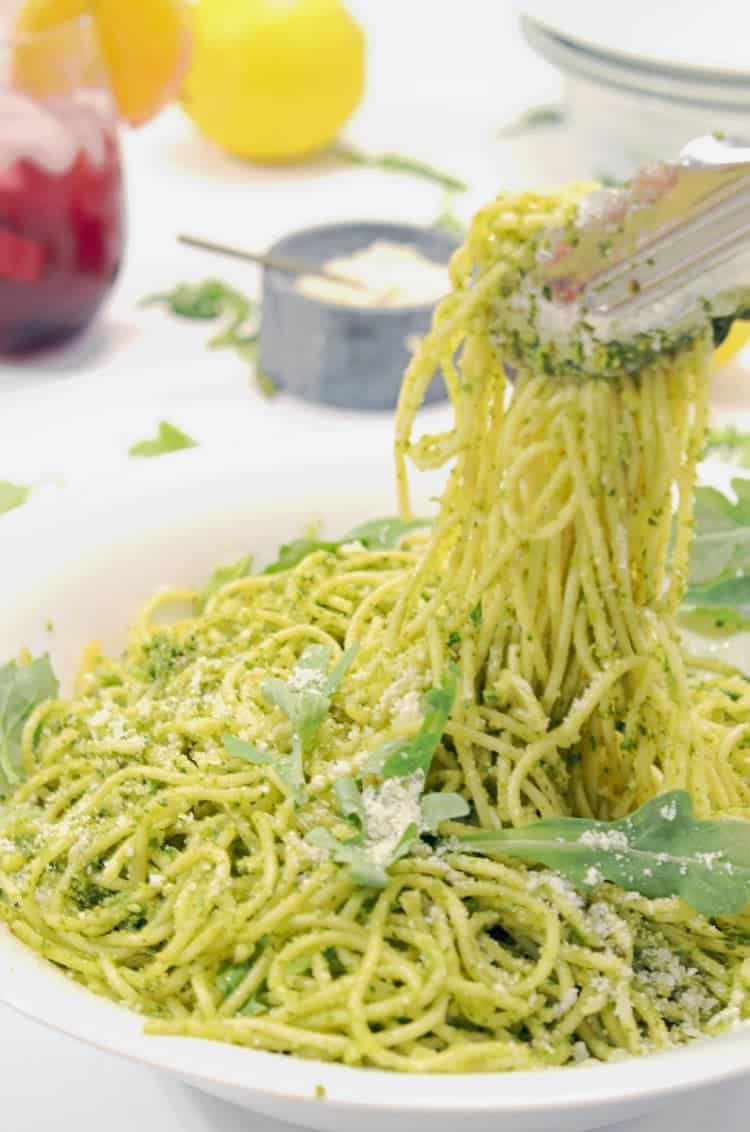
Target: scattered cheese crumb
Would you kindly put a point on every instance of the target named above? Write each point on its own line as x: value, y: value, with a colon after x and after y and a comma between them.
x: 604, y: 839
x: 389, y: 811
x: 307, y: 680
x: 566, y: 1003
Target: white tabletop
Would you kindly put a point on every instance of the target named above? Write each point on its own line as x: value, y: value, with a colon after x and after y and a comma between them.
x: 68, y: 417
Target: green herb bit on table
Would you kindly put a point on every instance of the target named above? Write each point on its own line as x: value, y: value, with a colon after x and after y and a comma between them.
x: 12, y: 495
x: 399, y: 163
x: 211, y: 300
x: 447, y: 220
x: 168, y: 439
x: 543, y: 116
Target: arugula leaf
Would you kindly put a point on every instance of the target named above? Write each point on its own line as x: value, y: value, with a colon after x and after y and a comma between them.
x: 291, y: 771
x: 212, y: 299
x: 437, y: 808
x: 340, y: 669
x: 402, y: 757
x: 728, y: 593
x: 730, y: 445
x: 230, y: 977
x: 350, y: 801
x: 535, y: 117
x: 288, y: 768
x: 384, y: 534
x: 292, y: 553
x: 717, y: 599
x: 252, y: 1007
x: 22, y: 688
x: 311, y: 670
x: 661, y: 850
x: 398, y: 163
x: 192, y: 300
x: 305, y: 700
x: 222, y: 575
x: 241, y: 749
x: 12, y: 495
x: 714, y: 621
x: 357, y: 852
x: 209, y: 300
x: 721, y: 546
x: 363, y: 869
x: 263, y: 380
x: 239, y: 308
x: 408, y: 838
x: 447, y: 221
x: 168, y: 439
x: 377, y: 534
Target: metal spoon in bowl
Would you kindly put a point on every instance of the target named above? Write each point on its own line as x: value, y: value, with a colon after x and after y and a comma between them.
x: 286, y: 264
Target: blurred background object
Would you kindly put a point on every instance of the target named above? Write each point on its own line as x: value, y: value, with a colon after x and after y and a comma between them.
x: 267, y: 117
x: 351, y: 350
x: 270, y: 81
x: 61, y: 208
x: 642, y: 79
x: 145, y: 45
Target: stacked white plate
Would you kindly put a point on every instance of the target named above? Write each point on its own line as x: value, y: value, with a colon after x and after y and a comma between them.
x: 643, y: 78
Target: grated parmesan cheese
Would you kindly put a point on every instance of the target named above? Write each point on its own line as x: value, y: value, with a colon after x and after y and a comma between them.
x: 606, y: 839
x: 669, y: 810
x: 566, y: 1003
x: 389, y: 811
x: 307, y: 680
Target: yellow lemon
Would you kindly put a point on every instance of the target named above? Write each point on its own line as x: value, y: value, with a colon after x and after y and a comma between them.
x: 737, y: 337
x: 273, y: 80
x: 145, y: 45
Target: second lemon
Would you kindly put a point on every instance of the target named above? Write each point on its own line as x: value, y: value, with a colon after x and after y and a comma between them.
x: 273, y: 80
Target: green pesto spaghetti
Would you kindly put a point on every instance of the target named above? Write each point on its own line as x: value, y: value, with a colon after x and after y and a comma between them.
x: 256, y: 826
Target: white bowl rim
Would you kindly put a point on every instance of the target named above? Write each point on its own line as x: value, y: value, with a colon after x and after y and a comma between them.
x: 616, y: 73
x: 585, y: 25
x: 36, y: 989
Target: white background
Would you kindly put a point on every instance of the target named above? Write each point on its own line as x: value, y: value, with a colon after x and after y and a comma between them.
x: 444, y: 77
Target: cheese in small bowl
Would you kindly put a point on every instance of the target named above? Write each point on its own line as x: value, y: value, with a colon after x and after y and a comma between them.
x: 384, y: 274
x: 348, y: 344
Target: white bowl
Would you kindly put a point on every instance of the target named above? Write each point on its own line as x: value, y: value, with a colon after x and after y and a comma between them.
x: 612, y: 70
x: 627, y: 113
x: 85, y: 561
x: 706, y: 41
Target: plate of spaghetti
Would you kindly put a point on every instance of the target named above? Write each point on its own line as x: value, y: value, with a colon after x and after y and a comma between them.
x: 423, y: 817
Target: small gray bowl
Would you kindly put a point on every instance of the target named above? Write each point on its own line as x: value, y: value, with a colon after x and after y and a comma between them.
x: 352, y: 357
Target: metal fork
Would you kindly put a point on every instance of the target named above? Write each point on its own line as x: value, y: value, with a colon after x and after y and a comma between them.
x: 658, y: 255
